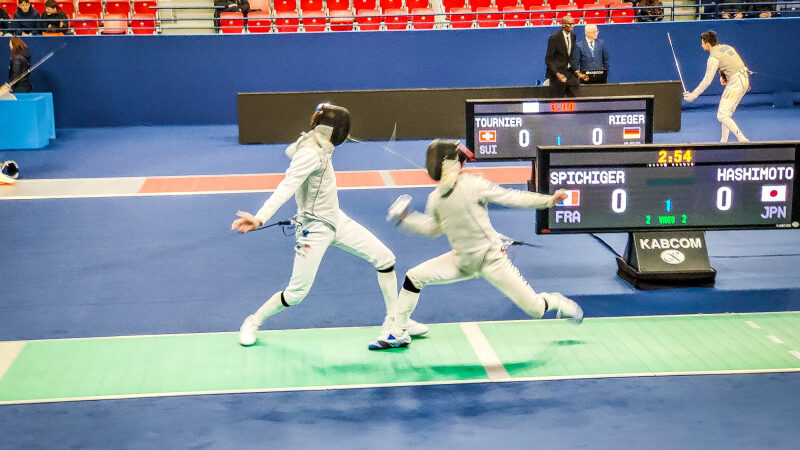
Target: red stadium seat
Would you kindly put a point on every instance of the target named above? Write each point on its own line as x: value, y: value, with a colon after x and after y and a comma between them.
x: 368, y: 20
x: 595, y: 14
x: 143, y: 6
x: 422, y: 18
x: 259, y: 22
x: 364, y: 4
x: 115, y: 24
x: 568, y: 10
x: 581, y: 4
x: 390, y: 4
x: 621, y: 12
x: 542, y: 16
x: 118, y: 7
x: 607, y: 3
x: 554, y: 4
x: 9, y: 6
x: 68, y: 7
x: 314, y: 21
x: 38, y: 5
x: 501, y: 5
x: 311, y: 5
x: 259, y: 6
x: 86, y: 24
x: 515, y: 16
x: 231, y: 23
x: 341, y: 20
x: 461, y: 18
x: 285, y: 6
x: 396, y: 18
x: 414, y: 4
x: 287, y: 21
x: 90, y: 7
x: 531, y: 4
x: 450, y: 4
x: 475, y: 4
x: 338, y: 5
x: 143, y: 23
x: 489, y: 17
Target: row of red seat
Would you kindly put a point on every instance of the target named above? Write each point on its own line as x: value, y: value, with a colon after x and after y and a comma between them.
x: 420, y: 18
x: 383, y: 5
x: 88, y: 6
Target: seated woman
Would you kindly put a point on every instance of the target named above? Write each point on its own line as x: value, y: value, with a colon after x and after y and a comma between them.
x: 654, y: 14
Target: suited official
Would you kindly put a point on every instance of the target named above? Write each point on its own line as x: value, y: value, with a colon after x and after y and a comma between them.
x: 563, y: 77
x: 590, y: 53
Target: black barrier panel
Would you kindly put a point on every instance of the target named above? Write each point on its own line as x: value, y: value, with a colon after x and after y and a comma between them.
x: 274, y: 117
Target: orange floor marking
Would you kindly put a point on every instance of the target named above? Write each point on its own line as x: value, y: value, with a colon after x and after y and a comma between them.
x: 211, y: 183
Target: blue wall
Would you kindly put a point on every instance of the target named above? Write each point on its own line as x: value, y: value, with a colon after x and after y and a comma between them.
x: 140, y: 80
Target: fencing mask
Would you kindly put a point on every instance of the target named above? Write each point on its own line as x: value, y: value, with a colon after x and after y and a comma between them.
x: 444, y: 160
x: 10, y: 169
x: 335, y: 117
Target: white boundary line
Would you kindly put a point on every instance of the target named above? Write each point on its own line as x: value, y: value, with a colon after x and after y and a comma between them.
x: 8, y: 353
x: 483, y: 349
x: 388, y: 385
x: 774, y: 339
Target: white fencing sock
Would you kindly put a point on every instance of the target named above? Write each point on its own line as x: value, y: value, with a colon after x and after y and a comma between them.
x: 406, y: 302
x: 273, y: 306
x: 388, y: 284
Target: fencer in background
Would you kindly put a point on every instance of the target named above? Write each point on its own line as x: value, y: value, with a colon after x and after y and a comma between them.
x: 733, y: 75
x: 458, y: 208
x: 319, y: 221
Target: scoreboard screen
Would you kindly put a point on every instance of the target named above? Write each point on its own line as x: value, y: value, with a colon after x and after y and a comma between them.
x: 512, y: 129
x: 660, y: 187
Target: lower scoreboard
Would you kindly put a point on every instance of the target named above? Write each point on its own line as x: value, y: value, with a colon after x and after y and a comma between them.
x: 661, y: 187
x: 511, y: 129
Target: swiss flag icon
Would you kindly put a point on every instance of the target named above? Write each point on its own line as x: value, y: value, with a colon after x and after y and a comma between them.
x: 487, y: 136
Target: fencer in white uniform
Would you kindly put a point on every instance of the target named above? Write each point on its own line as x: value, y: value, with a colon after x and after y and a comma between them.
x: 319, y: 222
x: 733, y: 75
x: 458, y: 208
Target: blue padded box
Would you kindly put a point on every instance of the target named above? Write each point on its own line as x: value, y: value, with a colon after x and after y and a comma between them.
x: 27, y: 122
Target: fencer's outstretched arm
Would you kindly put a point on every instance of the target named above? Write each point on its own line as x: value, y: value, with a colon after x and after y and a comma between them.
x: 711, y: 72
x: 413, y: 221
x: 304, y: 162
x: 493, y: 193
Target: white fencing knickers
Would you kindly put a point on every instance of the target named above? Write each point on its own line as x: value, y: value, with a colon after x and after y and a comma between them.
x: 313, y: 240
x: 497, y: 270
x: 735, y: 89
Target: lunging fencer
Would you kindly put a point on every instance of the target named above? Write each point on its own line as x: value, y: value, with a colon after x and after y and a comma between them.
x: 458, y: 208
x: 733, y: 75
x: 319, y: 221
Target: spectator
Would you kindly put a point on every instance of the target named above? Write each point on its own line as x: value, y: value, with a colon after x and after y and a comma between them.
x: 763, y: 11
x: 55, y: 20
x: 20, y: 62
x: 26, y: 19
x: 5, y: 23
x: 242, y: 6
x: 732, y: 9
x: 590, y: 54
x: 654, y: 14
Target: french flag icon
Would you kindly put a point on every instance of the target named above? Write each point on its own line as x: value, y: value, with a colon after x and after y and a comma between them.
x: 573, y: 199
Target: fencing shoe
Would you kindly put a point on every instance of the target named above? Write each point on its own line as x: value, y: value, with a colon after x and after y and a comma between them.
x: 388, y: 340
x: 415, y: 329
x: 247, y: 333
x: 568, y: 309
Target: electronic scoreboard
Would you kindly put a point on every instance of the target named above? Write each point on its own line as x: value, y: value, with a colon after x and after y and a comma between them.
x: 662, y: 187
x: 511, y: 129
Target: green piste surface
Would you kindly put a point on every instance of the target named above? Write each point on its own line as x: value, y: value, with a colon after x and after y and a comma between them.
x: 72, y: 369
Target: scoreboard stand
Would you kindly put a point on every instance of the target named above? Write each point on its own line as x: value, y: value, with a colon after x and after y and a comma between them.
x: 661, y: 260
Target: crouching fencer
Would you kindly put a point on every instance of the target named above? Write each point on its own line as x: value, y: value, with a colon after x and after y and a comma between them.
x: 458, y: 208
x: 733, y: 75
x: 319, y: 221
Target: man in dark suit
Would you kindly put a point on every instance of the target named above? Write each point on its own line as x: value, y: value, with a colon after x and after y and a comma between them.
x: 589, y: 53
x: 563, y: 77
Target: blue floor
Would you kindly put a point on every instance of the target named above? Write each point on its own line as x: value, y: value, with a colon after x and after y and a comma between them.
x: 151, y: 265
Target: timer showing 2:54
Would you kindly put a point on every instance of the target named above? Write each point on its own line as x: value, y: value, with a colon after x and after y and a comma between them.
x: 674, y: 156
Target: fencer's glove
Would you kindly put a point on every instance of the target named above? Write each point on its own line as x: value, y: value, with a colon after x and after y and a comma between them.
x: 558, y: 197
x: 399, y: 209
x: 689, y: 96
